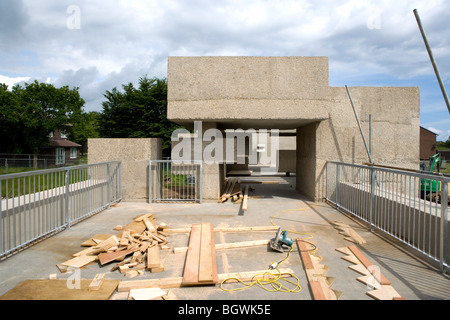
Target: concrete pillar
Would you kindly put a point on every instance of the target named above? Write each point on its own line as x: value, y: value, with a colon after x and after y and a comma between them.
x: 212, y: 178
x: 306, y: 160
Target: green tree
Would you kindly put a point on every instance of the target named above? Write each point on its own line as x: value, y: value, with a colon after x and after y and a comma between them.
x: 138, y: 112
x: 10, y: 125
x: 34, y: 111
x: 85, y: 126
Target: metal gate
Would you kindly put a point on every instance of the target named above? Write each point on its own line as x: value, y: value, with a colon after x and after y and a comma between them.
x: 175, y: 181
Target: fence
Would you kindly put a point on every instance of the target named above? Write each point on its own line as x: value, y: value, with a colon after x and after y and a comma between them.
x: 410, y: 206
x: 171, y: 181
x: 40, y: 203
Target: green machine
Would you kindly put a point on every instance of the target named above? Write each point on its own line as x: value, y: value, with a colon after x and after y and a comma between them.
x: 430, y: 188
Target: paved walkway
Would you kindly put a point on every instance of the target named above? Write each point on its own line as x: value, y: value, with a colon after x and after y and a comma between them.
x: 281, y: 204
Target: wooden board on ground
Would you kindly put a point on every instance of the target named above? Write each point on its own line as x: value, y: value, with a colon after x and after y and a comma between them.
x: 369, y: 266
x: 200, y: 266
x: 59, y: 290
x: 231, y: 245
x: 97, y: 282
x: 177, y: 282
x: 79, y: 262
x: 240, y: 172
x: 146, y: 294
x: 245, y: 200
x: 90, y: 242
x: 319, y: 283
x: 226, y: 229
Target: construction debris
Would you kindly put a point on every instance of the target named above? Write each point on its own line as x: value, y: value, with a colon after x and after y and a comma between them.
x: 349, y: 233
x: 232, y: 190
x: 319, y: 283
x: 371, y: 275
x: 142, y: 239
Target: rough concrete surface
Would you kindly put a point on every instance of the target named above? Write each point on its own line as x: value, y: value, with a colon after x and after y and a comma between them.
x: 282, y: 204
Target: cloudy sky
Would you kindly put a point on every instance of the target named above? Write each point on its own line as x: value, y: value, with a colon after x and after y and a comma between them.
x: 99, y: 45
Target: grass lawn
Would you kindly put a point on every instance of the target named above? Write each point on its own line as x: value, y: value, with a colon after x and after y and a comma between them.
x: 32, y: 183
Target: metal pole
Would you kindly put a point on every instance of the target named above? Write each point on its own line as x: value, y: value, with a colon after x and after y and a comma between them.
x: 444, y: 228
x: 359, y: 125
x: 433, y: 61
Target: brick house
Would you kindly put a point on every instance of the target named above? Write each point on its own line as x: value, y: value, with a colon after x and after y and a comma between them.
x: 61, y: 151
x: 427, y: 143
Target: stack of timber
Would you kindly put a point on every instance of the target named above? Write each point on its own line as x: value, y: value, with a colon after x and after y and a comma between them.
x: 318, y: 282
x: 200, y: 267
x: 135, y: 249
x: 371, y: 275
x: 232, y: 191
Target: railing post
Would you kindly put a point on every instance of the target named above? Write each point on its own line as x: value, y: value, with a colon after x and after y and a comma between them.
x: 67, y: 198
x: 108, y: 185
x: 444, y: 224
x: 372, y: 196
x: 338, y: 190
x: 150, y: 182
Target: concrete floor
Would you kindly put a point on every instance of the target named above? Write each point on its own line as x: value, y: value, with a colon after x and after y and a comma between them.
x: 410, y: 276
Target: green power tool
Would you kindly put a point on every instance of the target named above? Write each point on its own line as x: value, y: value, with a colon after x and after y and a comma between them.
x: 281, y: 242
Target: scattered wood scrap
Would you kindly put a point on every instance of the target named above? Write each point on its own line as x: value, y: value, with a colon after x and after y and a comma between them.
x: 349, y: 233
x: 134, y: 249
x: 319, y: 283
x: 371, y: 275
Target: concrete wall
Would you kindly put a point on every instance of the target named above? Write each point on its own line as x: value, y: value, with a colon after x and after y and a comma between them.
x: 294, y: 93
x: 395, y: 124
x: 135, y: 155
x: 247, y: 88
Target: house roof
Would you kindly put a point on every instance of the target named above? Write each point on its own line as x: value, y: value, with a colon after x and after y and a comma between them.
x: 56, y: 143
x: 429, y: 131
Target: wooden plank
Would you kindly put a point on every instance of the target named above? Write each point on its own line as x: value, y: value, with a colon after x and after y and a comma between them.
x: 227, y: 229
x: 213, y: 254
x: 146, y: 294
x: 153, y: 257
x: 177, y: 282
x: 97, y: 282
x: 105, y: 258
x: 190, y: 273
x: 317, y: 291
x: 60, y: 290
x: 144, y: 216
x: 304, y: 254
x: 90, y: 242
x: 245, y: 201
x: 205, y: 266
x: 386, y: 292
x: 369, y: 266
x: 231, y: 245
x: 149, y: 225
x: 79, y: 262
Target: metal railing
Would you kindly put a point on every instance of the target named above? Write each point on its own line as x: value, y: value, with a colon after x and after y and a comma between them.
x: 40, y: 203
x: 171, y: 181
x: 410, y: 206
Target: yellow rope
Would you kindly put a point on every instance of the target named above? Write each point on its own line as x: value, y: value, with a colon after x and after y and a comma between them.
x: 274, y: 279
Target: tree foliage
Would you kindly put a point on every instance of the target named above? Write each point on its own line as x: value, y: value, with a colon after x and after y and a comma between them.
x: 29, y: 113
x: 138, y: 112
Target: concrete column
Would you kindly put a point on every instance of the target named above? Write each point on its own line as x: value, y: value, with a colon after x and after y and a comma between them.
x: 306, y: 160
x: 212, y: 173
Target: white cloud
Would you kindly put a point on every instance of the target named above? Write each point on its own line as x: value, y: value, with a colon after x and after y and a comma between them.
x: 120, y: 41
x: 11, y: 81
